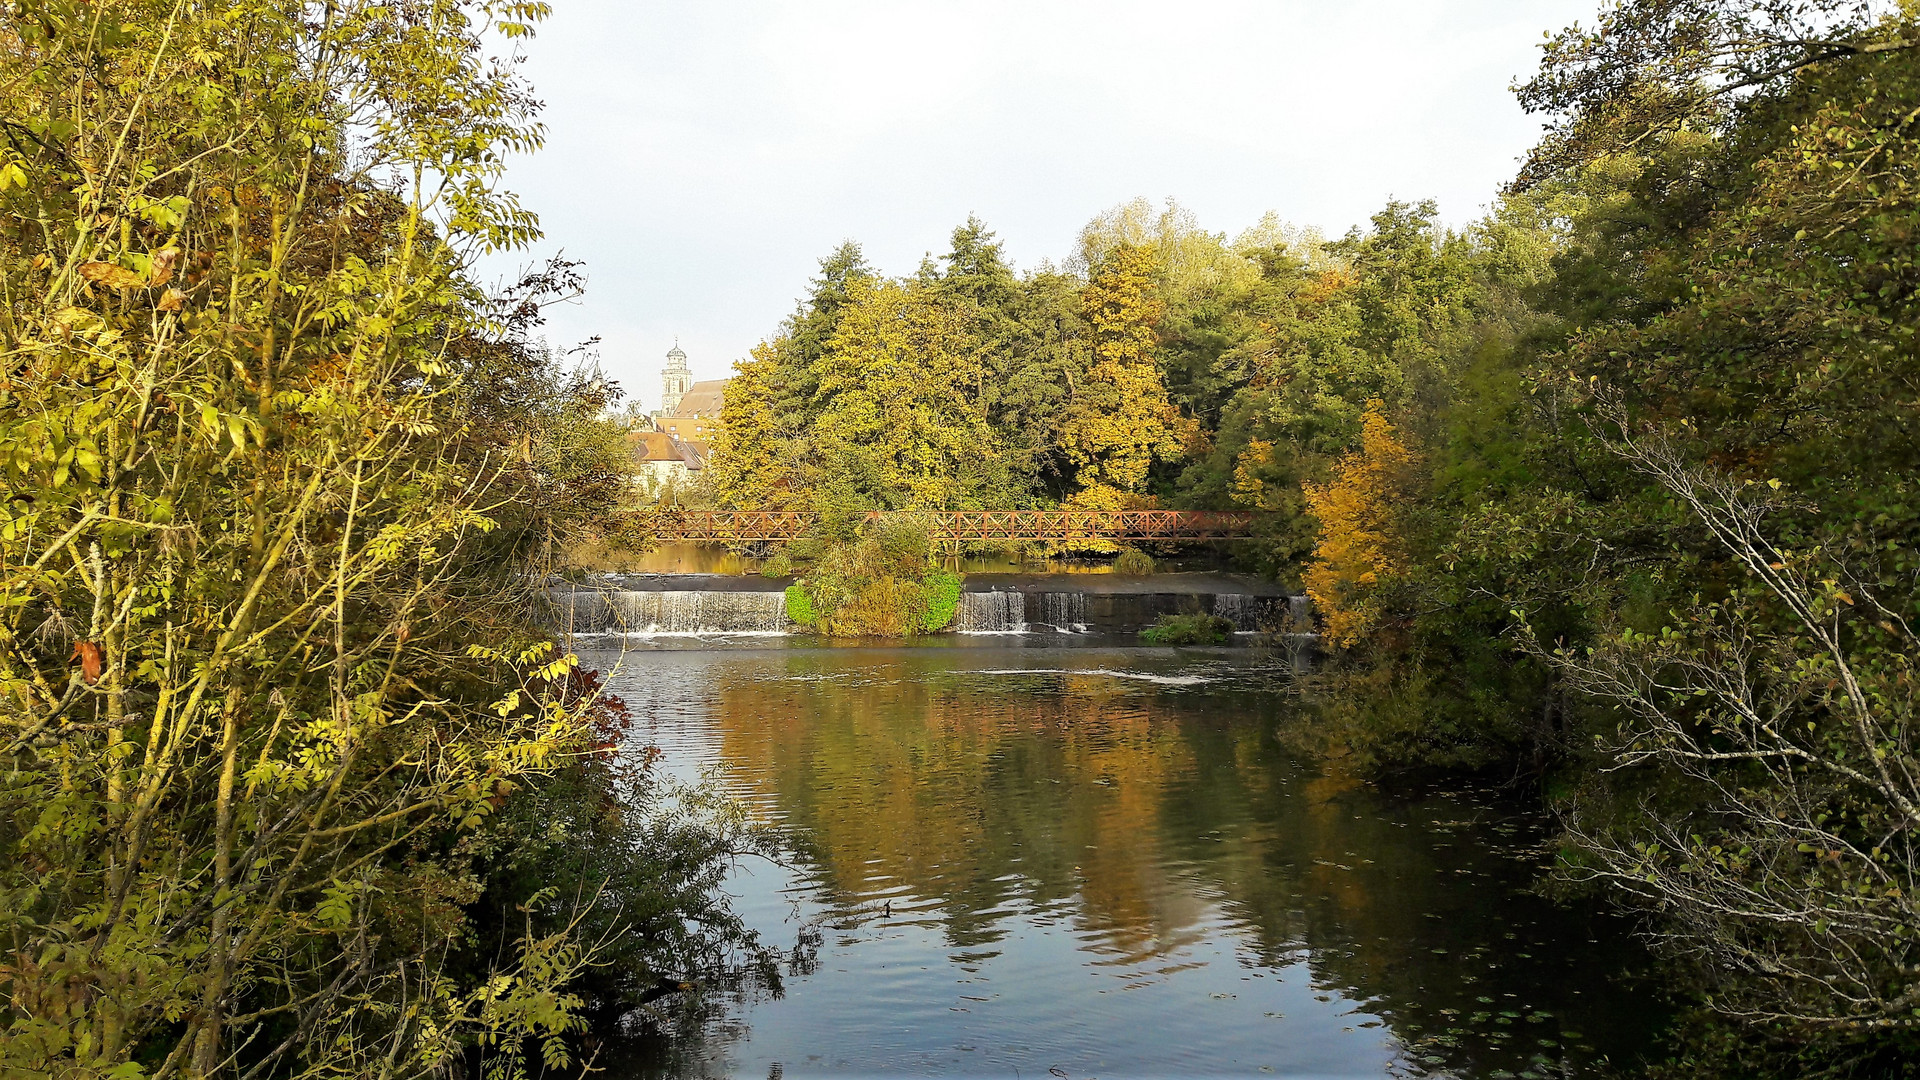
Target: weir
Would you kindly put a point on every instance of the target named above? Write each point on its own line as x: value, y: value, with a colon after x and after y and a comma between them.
x: 720, y: 604
x: 671, y: 611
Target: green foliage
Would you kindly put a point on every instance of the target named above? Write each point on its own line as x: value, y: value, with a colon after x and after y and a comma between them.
x: 1675, y: 470
x: 631, y: 860
x: 282, y: 479
x: 1133, y: 563
x: 1197, y: 629
x: 800, y: 606
x: 883, y: 582
x: 943, y: 599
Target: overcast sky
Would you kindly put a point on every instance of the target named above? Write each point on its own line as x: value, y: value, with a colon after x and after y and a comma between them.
x: 703, y: 156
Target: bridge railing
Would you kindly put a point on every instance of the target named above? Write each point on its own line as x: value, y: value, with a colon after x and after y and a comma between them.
x: 975, y: 525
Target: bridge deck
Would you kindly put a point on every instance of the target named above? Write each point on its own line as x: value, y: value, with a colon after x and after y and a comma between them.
x: 978, y: 525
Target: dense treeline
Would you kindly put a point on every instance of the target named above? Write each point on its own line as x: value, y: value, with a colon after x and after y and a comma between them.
x: 292, y: 781
x: 1171, y: 368
x: 1612, y: 490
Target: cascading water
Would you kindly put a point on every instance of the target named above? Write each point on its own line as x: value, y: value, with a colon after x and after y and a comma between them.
x: 1064, y: 611
x: 1300, y: 611
x: 672, y: 612
x: 611, y: 608
x: 991, y: 613
x: 1241, y: 610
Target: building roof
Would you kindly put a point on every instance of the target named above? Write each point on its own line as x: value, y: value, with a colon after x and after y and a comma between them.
x: 659, y: 446
x: 653, y: 446
x: 702, y: 398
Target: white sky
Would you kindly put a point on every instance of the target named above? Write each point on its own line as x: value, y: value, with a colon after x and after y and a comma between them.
x: 703, y: 156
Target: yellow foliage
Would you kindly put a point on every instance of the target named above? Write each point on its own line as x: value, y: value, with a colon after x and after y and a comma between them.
x: 1120, y: 420
x: 894, y: 403
x: 1359, y: 546
x: 902, y: 378
x: 750, y: 464
x: 1248, y: 487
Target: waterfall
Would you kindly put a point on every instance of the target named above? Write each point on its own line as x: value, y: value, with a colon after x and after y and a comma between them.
x: 1300, y: 612
x: 1241, y: 610
x: 671, y: 612
x: 991, y: 613
x: 1064, y: 611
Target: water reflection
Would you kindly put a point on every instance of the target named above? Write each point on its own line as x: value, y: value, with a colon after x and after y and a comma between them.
x: 1099, y: 860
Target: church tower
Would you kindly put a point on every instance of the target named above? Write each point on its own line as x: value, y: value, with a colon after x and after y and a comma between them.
x: 674, y: 381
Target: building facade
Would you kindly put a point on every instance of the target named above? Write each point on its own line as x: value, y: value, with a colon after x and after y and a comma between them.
x: 662, y: 463
x: 697, y: 416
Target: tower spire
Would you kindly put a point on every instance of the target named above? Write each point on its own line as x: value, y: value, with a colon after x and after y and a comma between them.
x: 675, y: 379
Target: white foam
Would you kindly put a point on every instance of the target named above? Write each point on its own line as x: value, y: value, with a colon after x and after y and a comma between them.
x: 649, y: 634
x: 1140, y: 676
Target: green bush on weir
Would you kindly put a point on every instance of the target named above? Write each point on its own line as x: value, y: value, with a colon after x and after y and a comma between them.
x: 800, y: 606
x: 881, y: 582
x: 1189, y: 630
x: 943, y: 599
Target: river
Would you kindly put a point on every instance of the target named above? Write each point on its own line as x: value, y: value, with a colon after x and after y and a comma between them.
x: 1057, y: 855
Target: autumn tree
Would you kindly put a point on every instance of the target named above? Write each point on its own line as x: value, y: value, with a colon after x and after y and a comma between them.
x: 281, y: 483
x: 763, y: 457
x: 903, y: 423
x: 1119, y: 420
x: 1360, y: 547
x: 1736, y: 532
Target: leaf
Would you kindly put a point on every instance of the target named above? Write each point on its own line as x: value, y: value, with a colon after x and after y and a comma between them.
x: 163, y: 264
x: 172, y: 300
x: 90, y: 657
x: 110, y: 274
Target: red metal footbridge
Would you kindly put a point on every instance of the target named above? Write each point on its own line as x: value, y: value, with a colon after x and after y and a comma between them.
x: 729, y: 526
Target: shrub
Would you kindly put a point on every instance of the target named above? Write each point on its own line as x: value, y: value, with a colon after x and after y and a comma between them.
x: 1134, y: 563
x: 800, y: 606
x: 777, y: 565
x: 943, y: 599
x: 1189, y: 630
x: 882, y: 584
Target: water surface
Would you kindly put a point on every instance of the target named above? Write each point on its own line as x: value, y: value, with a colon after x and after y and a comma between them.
x: 1032, y: 858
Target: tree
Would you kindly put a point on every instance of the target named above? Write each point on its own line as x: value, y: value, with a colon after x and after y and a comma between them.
x: 1651, y: 69
x: 1751, y: 461
x: 902, y: 424
x: 1120, y: 420
x: 281, y: 483
x: 762, y: 458
x: 1360, y: 547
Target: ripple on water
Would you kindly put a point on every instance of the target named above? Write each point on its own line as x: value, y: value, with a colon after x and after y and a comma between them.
x: 1114, y: 873
x: 1138, y: 676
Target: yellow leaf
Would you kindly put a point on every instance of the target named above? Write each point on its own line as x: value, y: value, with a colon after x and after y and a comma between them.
x: 163, y: 264
x: 109, y: 274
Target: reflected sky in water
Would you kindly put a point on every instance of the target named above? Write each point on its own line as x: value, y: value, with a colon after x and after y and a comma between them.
x: 1097, y: 860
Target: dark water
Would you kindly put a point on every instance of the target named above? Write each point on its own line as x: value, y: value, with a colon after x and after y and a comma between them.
x: 1034, y: 860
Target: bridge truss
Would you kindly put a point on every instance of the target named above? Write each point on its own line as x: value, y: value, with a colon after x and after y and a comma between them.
x: 982, y: 526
